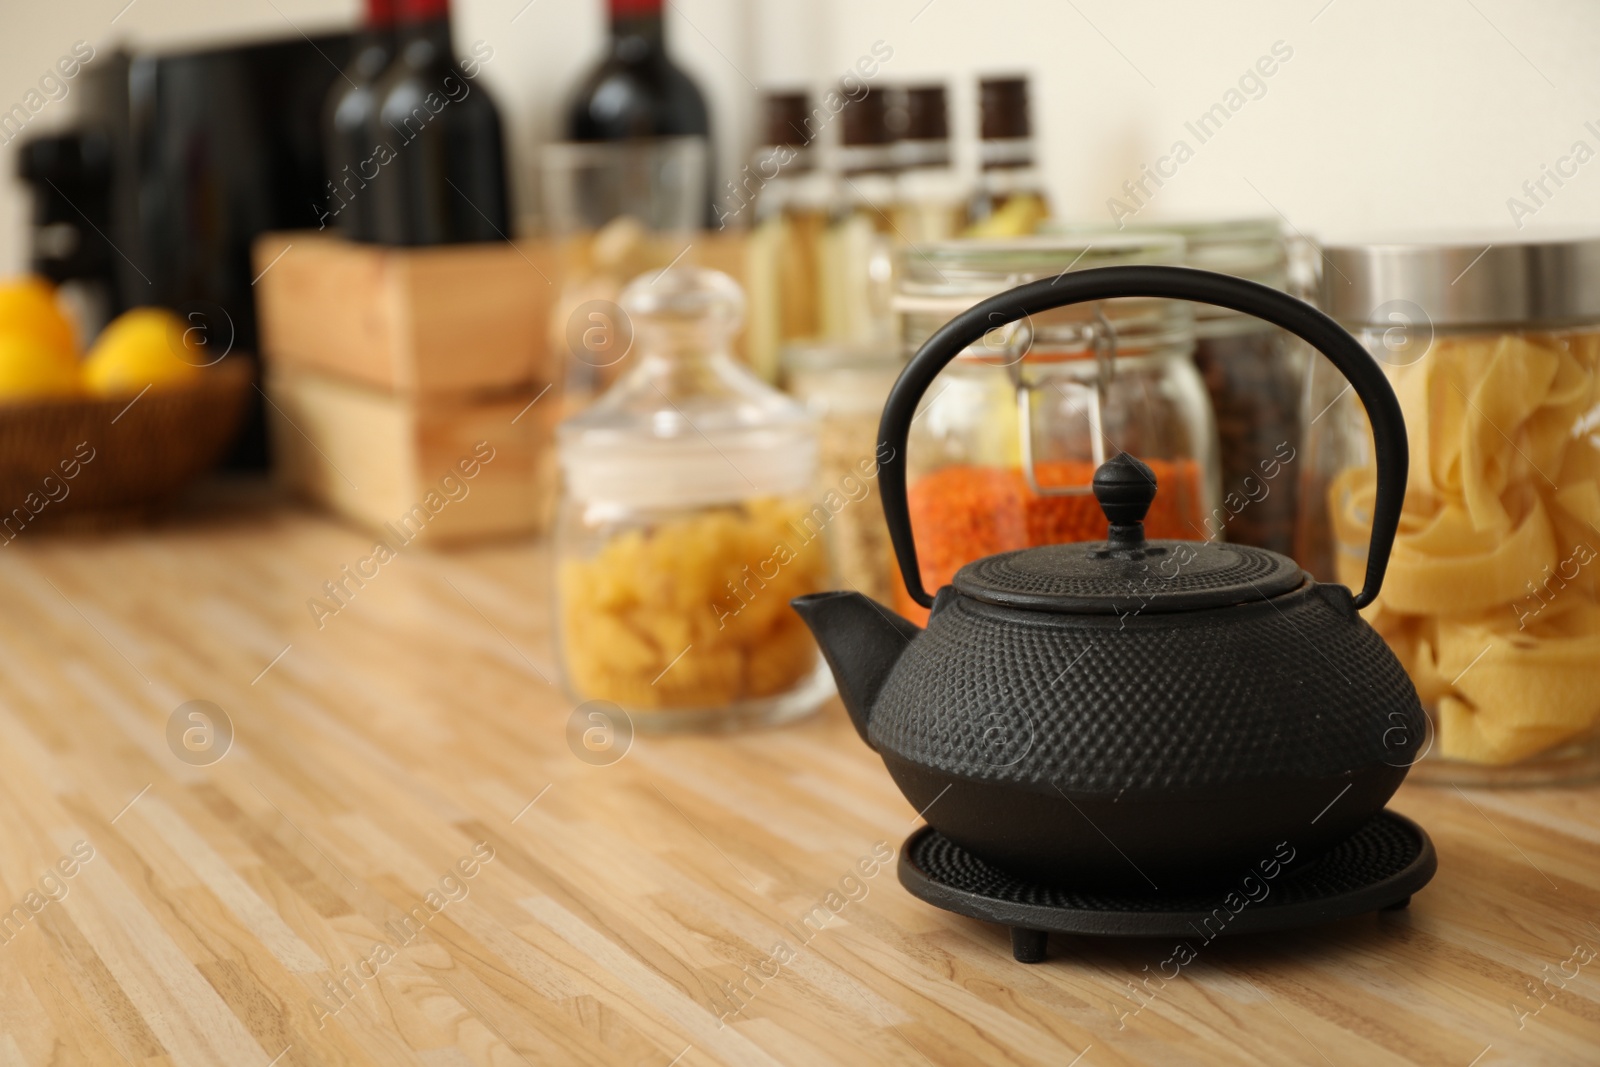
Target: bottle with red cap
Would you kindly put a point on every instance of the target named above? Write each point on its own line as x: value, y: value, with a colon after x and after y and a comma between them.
x: 438, y: 152
x: 636, y: 92
x: 347, y: 121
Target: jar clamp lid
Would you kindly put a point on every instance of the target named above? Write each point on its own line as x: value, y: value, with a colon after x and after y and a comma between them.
x: 984, y: 264
x: 1250, y: 248
x: 944, y: 278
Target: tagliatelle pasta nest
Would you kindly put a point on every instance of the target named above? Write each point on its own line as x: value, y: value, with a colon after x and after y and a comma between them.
x: 1491, y: 595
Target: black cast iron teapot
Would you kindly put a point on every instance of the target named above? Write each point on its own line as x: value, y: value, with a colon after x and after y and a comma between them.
x: 1131, y: 713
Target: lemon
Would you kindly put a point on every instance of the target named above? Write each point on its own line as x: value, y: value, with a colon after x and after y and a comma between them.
x: 30, y: 368
x: 28, y: 307
x: 141, y: 348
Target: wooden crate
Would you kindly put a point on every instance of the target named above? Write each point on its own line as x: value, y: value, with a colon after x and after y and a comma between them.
x: 450, y: 320
x: 383, y: 459
x: 386, y: 366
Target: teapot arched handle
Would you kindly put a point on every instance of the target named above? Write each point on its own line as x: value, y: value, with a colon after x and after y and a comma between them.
x: 1171, y: 283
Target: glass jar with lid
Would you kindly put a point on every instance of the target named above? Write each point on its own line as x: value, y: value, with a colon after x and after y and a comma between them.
x: 687, y: 525
x: 846, y: 386
x: 1002, y: 453
x: 1492, y: 599
x: 1255, y: 375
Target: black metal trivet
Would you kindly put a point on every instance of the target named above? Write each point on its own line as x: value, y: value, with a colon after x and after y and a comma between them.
x: 1376, y: 868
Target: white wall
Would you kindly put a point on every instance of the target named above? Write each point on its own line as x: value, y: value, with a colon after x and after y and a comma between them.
x: 1421, y: 113
x: 1403, y: 113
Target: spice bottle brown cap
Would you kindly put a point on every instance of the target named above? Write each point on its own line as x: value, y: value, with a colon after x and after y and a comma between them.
x: 927, y: 115
x: 788, y: 120
x: 1003, y: 109
x: 865, y: 119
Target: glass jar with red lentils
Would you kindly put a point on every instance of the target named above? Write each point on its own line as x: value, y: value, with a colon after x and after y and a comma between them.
x: 1001, y: 454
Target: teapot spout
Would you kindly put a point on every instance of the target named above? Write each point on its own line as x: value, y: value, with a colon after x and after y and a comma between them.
x: 861, y: 641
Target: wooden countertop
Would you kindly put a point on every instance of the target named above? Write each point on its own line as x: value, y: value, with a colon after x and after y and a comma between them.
x: 415, y: 736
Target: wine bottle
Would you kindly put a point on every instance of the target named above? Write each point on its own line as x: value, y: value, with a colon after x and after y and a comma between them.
x: 439, y: 154
x: 347, y: 122
x: 636, y: 91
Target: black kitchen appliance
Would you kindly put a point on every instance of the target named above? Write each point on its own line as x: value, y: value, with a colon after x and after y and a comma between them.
x: 1114, y: 732
x: 179, y: 161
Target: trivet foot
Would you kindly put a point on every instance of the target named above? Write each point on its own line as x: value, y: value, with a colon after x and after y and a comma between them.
x: 1398, y: 905
x: 1029, y: 946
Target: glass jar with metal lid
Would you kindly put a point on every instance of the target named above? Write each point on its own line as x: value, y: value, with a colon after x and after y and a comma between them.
x: 687, y: 524
x: 1254, y: 374
x: 1002, y: 454
x: 1493, y: 595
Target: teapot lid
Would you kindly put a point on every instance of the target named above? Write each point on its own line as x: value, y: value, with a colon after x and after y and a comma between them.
x: 1125, y: 573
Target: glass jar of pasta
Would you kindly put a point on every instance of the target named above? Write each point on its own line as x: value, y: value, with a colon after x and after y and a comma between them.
x: 1001, y: 455
x: 687, y: 525
x: 1492, y: 599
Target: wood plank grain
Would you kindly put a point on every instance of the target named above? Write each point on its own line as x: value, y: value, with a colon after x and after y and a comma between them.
x: 237, y: 911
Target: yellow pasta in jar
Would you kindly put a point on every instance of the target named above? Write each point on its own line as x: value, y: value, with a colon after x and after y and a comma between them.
x: 1492, y: 598
x: 694, y: 613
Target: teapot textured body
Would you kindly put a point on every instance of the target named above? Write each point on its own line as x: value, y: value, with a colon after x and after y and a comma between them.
x: 1128, y: 714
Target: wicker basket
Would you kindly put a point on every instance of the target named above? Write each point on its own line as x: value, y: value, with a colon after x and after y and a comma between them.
x: 143, y: 453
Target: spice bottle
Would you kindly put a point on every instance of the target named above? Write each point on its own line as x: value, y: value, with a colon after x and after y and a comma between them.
x: 1010, y: 200
x: 929, y: 197
x: 791, y: 199
x: 1002, y: 455
x: 687, y: 525
x: 857, y: 259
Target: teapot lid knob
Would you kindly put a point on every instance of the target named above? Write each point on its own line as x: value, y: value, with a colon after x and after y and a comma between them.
x: 1125, y: 487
